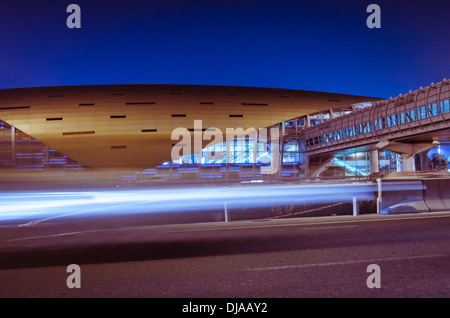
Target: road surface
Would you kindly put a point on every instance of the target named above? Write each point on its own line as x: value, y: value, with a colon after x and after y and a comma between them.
x: 282, y: 258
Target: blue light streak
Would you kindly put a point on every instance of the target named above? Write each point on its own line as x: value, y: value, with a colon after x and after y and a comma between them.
x: 33, y: 207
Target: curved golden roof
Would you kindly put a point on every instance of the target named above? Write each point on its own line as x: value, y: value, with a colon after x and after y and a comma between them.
x: 130, y: 126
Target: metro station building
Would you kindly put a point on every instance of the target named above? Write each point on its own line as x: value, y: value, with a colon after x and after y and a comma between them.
x: 128, y: 128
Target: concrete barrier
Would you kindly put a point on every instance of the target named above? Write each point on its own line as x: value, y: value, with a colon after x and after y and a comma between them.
x: 437, y: 194
x: 397, y: 196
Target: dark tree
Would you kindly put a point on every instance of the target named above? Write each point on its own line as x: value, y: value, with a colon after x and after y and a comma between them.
x: 438, y: 162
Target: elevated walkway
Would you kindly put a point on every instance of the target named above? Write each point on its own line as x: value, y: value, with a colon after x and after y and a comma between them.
x: 416, y: 113
x: 407, y: 125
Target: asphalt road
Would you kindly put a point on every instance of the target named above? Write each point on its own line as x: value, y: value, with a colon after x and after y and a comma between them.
x: 284, y: 258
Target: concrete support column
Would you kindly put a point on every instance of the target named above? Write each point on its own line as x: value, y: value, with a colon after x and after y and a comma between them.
x: 408, y: 164
x: 407, y: 151
x: 308, y: 121
x: 280, y: 168
x: 374, y: 164
x: 307, y: 166
x: 424, y: 161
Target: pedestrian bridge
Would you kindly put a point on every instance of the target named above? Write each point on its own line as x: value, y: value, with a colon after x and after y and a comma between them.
x: 408, y: 124
x: 420, y: 112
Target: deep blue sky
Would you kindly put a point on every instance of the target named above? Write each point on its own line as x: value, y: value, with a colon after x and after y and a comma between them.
x: 303, y: 44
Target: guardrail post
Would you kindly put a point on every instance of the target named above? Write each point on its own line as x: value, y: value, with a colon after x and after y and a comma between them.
x: 355, y: 206
x: 225, y: 212
x: 379, y: 197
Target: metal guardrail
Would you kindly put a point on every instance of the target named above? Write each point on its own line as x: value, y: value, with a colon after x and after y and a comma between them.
x: 245, y: 180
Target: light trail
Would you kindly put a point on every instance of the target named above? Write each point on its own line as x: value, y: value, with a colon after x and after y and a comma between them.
x: 34, y: 207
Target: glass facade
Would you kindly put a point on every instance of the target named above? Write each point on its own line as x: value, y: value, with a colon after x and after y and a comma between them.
x: 21, y: 152
x: 241, y: 152
x: 352, y: 164
x: 244, y: 162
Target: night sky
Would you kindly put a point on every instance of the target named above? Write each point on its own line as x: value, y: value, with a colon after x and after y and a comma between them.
x: 303, y: 44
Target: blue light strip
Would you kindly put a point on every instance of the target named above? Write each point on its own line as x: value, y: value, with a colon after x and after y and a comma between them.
x: 350, y: 168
